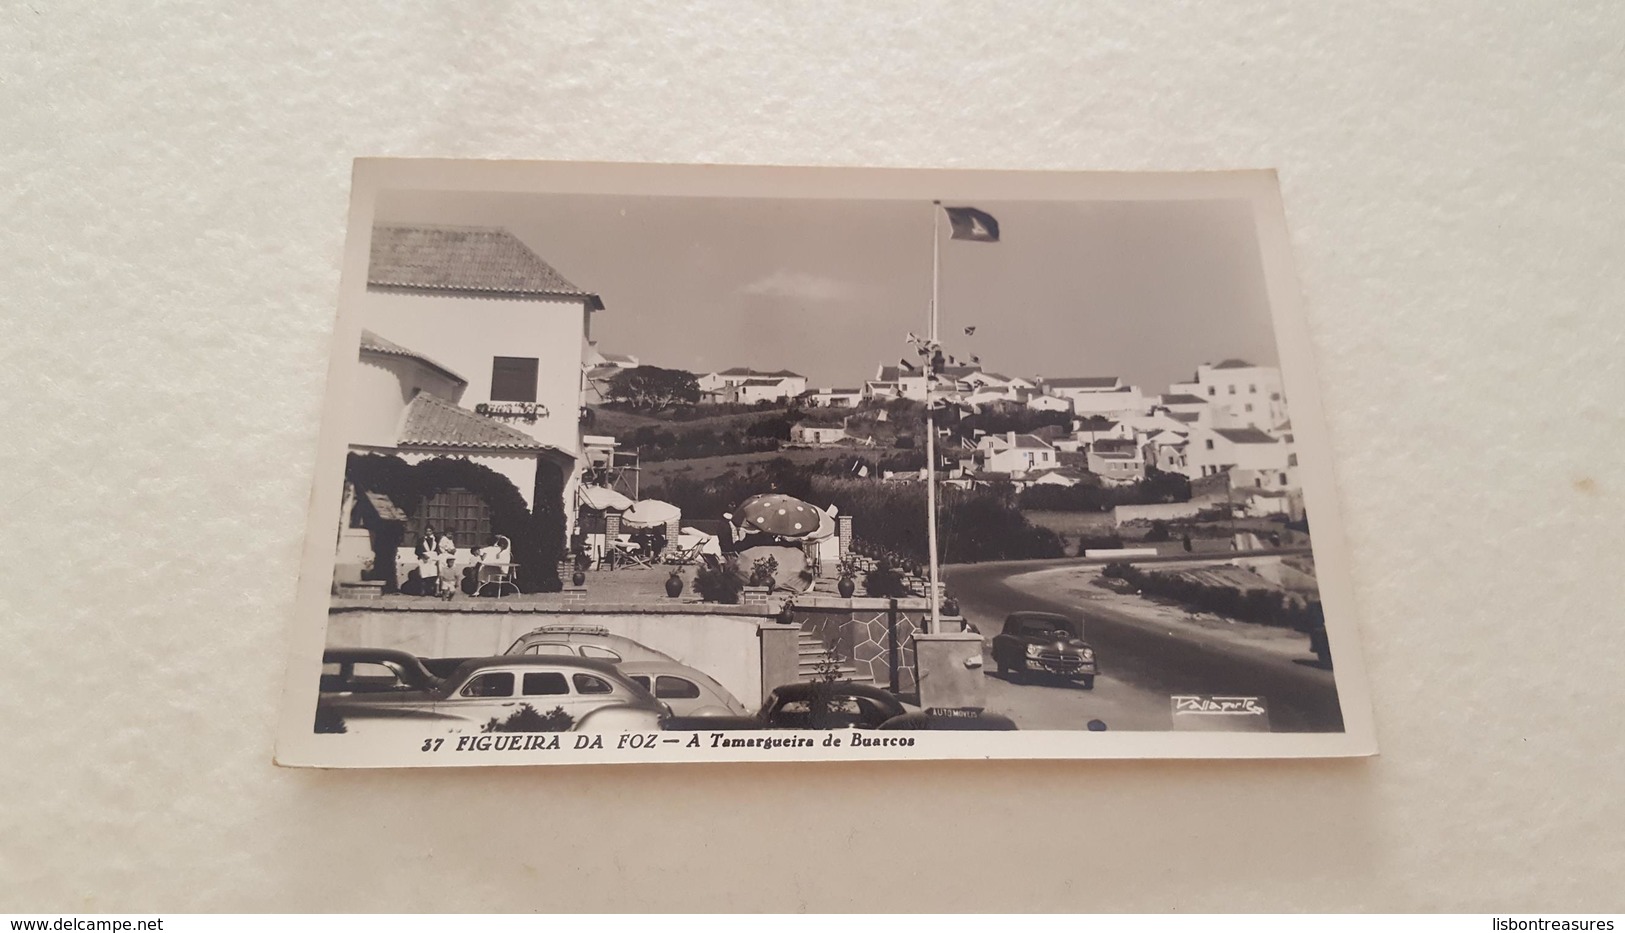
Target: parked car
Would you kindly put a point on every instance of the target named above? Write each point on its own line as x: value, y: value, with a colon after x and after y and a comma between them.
x: 794, y: 706
x: 1044, y: 642
x: 687, y: 691
x: 350, y: 671
x: 592, y: 696
x: 584, y: 641
x: 971, y: 720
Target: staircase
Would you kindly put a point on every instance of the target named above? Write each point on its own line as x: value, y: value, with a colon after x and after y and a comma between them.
x: 811, y: 650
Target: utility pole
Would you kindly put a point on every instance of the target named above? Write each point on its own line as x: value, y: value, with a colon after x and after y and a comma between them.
x: 930, y: 422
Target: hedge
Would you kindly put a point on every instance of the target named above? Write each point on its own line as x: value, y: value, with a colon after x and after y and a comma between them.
x: 1259, y: 606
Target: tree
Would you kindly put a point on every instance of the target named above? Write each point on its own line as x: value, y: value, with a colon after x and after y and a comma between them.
x: 654, y: 388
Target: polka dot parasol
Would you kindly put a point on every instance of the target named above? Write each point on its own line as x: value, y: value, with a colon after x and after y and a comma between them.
x: 780, y: 515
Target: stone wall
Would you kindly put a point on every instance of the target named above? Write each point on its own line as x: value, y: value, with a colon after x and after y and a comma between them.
x: 875, y: 636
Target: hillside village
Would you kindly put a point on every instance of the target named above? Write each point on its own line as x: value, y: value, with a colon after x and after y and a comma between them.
x: 1226, y: 429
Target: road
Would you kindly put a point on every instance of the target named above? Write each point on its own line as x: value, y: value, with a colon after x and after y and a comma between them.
x: 1142, y: 662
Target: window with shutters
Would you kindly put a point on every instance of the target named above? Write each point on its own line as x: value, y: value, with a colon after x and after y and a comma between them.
x: 513, y: 379
x: 460, y: 513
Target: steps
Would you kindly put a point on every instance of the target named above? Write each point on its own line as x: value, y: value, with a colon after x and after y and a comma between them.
x: 811, y: 653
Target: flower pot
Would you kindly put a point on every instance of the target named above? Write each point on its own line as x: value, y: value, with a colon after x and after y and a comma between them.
x: 950, y: 606
x: 674, y: 585
x: 579, y: 578
x: 846, y: 586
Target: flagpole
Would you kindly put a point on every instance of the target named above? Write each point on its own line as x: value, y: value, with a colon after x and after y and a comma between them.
x: 930, y: 423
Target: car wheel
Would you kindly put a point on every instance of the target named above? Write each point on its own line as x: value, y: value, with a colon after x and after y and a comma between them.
x: 1087, y: 681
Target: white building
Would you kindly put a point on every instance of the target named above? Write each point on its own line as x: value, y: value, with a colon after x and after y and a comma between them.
x: 833, y: 398
x: 1117, y: 461
x: 1214, y: 450
x: 504, y: 388
x: 1049, y: 403
x: 779, y: 384
x: 1241, y: 394
x: 817, y: 435
x: 1015, y: 454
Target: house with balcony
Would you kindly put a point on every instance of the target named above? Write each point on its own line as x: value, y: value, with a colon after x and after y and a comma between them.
x: 500, y: 399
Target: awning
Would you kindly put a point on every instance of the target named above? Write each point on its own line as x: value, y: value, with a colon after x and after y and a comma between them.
x: 602, y: 499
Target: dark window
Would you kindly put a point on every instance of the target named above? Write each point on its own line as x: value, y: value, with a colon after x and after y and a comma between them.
x: 550, y: 649
x: 1232, y: 390
x: 641, y: 680
x: 603, y: 654
x: 1283, y: 479
x: 513, y: 379
x: 675, y: 688
x: 1209, y: 445
x: 461, y: 514
x: 1291, y: 459
x: 586, y: 683
x: 1212, y: 390
x: 490, y: 685
x: 1253, y: 390
x: 545, y: 684
x: 1258, y: 481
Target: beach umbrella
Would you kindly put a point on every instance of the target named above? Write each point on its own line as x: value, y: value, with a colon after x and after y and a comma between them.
x: 602, y: 498
x: 777, y: 514
x: 826, y: 526
x: 650, y: 513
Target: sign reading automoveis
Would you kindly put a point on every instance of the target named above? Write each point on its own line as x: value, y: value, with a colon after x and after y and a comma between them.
x: 527, y: 412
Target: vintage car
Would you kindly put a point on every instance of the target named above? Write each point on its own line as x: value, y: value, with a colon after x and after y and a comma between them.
x: 1046, y: 643
x: 584, y: 641
x: 569, y: 694
x: 795, y: 706
x: 347, y: 671
x: 687, y: 691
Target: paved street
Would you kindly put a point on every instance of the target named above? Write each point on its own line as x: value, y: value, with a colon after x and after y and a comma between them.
x: 1143, y: 661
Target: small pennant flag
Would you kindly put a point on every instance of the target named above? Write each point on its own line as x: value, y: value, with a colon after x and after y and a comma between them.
x: 971, y: 224
x: 976, y: 359
x: 970, y: 331
x: 905, y: 365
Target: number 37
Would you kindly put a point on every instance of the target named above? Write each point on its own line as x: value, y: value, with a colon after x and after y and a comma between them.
x: 431, y: 745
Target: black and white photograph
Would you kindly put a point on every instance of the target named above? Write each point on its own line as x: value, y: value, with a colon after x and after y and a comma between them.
x: 638, y: 463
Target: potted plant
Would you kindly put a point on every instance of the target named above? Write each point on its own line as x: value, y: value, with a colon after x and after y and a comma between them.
x: 674, y: 583
x: 847, y: 584
x: 579, y: 578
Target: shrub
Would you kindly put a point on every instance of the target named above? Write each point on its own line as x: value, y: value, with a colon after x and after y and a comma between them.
x: 1158, y: 532
x: 718, y: 585
x: 884, y: 582
x: 527, y: 719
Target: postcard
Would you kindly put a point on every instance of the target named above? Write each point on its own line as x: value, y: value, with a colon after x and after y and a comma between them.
x: 654, y: 463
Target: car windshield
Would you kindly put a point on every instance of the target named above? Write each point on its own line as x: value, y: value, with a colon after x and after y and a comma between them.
x: 1046, y: 628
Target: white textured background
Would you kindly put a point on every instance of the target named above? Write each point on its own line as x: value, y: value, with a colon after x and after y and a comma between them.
x: 172, y: 198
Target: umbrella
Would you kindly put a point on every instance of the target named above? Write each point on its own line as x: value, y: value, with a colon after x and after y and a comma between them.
x: 601, y: 498
x: 826, y: 526
x: 781, y: 515
x: 650, y: 513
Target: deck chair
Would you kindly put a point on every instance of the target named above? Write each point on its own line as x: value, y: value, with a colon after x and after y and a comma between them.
x: 497, y: 575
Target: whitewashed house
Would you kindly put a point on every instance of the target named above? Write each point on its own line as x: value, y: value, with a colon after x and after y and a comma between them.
x: 1242, y: 395
x: 1015, y: 454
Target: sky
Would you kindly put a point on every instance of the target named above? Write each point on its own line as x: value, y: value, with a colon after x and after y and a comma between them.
x: 1144, y: 290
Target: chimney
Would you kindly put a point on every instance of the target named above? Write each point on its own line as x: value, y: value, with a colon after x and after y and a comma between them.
x: 1011, y: 437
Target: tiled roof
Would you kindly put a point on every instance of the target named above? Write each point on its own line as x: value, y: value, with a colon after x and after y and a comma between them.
x: 1244, y: 435
x: 1091, y: 426
x: 1233, y: 364
x: 1182, y: 399
x: 618, y: 358
x: 1188, y: 417
x: 747, y: 371
x: 469, y: 259
x: 385, y: 507
x: 893, y: 373
x: 761, y: 382
x: 373, y: 343
x: 1031, y: 441
x: 435, y: 422
x: 1082, y: 382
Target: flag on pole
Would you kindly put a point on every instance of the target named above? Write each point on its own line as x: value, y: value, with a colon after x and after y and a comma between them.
x: 970, y: 331
x: 971, y: 224
x: 905, y: 365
